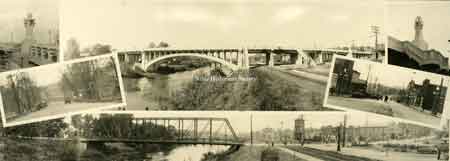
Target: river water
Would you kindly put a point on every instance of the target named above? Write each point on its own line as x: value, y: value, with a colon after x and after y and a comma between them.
x: 191, y: 152
x: 150, y: 93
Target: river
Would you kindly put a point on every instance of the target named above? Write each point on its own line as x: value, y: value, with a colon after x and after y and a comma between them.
x: 192, y: 152
x: 150, y: 93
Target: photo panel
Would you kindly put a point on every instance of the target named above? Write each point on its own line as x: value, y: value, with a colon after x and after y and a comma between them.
x: 229, y: 136
x: 418, y: 36
x: 388, y: 90
x: 56, y: 90
x: 29, y: 33
x: 217, y: 62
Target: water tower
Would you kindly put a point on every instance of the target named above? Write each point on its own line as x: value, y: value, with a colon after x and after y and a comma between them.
x: 299, y: 131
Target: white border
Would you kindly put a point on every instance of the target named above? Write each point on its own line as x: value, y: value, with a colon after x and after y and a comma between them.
x: 325, y: 100
x: 122, y: 91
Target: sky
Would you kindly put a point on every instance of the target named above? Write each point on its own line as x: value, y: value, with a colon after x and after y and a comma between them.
x: 42, y: 75
x: 436, y: 30
x: 13, y: 12
x: 127, y: 24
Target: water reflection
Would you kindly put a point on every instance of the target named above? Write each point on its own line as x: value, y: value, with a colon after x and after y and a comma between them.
x: 150, y: 93
x: 191, y: 152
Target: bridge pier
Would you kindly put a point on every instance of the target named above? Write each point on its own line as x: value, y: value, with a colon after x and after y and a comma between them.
x: 245, y: 61
x: 319, y: 59
x: 350, y: 53
x: 270, y: 59
x: 294, y: 59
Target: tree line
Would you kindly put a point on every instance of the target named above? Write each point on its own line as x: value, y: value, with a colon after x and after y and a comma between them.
x: 91, y: 81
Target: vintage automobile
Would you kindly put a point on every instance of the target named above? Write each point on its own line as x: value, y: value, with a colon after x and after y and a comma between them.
x: 442, y: 149
x: 426, y: 149
x: 42, y: 104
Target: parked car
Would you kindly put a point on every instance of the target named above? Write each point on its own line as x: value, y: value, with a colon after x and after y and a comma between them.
x: 426, y: 149
x: 42, y: 105
x: 442, y: 149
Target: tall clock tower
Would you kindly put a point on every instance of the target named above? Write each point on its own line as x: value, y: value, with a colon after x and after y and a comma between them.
x: 419, y: 41
x: 29, y: 23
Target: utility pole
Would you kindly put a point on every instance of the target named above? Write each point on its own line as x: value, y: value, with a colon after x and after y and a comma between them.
x: 338, y: 139
x: 251, y: 129
x: 376, y: 31
x: 344, y: 131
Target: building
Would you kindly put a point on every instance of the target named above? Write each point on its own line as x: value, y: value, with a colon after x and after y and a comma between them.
x: 342, y: 76
x: 416, y: 54
x: 346, y: 81
x: 428, y: 96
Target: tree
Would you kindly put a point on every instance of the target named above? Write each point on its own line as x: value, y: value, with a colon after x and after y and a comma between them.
x: 23, y: 94
x: 100, y: 49
x: 50, y: 128
x: 72, y: 49
x: 152, y: 45
x: 163, y: 44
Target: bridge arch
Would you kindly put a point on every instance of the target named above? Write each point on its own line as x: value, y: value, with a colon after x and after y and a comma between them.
x: 211, y: 58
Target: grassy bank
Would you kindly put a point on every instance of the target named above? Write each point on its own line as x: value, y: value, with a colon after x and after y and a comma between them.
x: 268, y: 90
x: 249, y: 153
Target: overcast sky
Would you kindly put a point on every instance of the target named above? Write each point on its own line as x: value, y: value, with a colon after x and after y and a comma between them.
x: 436, y: 16
x: 218, y: 23
x: 13, y: 12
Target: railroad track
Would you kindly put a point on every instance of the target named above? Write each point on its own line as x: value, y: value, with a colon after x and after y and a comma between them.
x: 329, y: 155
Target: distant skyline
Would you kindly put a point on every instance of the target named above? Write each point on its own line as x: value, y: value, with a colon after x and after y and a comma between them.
x: 435, y: 15
x: 13, y: 12
x: 240, y: 121
x: 126, y: 24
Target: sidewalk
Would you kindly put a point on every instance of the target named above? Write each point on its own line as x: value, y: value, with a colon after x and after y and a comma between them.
x: 300, y: 155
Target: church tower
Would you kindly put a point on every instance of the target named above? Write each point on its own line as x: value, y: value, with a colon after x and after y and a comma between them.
x: 29, y: 23
x: 419, y: 41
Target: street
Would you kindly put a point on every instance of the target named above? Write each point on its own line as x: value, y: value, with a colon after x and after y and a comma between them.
x: 390, y: 108
x: 376, y: 154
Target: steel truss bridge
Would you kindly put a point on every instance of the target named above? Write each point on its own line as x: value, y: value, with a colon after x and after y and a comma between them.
x: 192, y: 130
x: 188, y: 130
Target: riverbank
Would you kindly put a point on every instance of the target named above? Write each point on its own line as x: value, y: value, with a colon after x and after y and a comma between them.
x: 16, y: 149
x: 252, y: 153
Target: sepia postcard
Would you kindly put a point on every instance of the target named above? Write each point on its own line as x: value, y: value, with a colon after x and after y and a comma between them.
x: 56, y: 90
x: 388, y: 90
x: 227, y: 136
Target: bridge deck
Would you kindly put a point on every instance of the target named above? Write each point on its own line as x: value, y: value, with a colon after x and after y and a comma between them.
x: 150, y: 141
